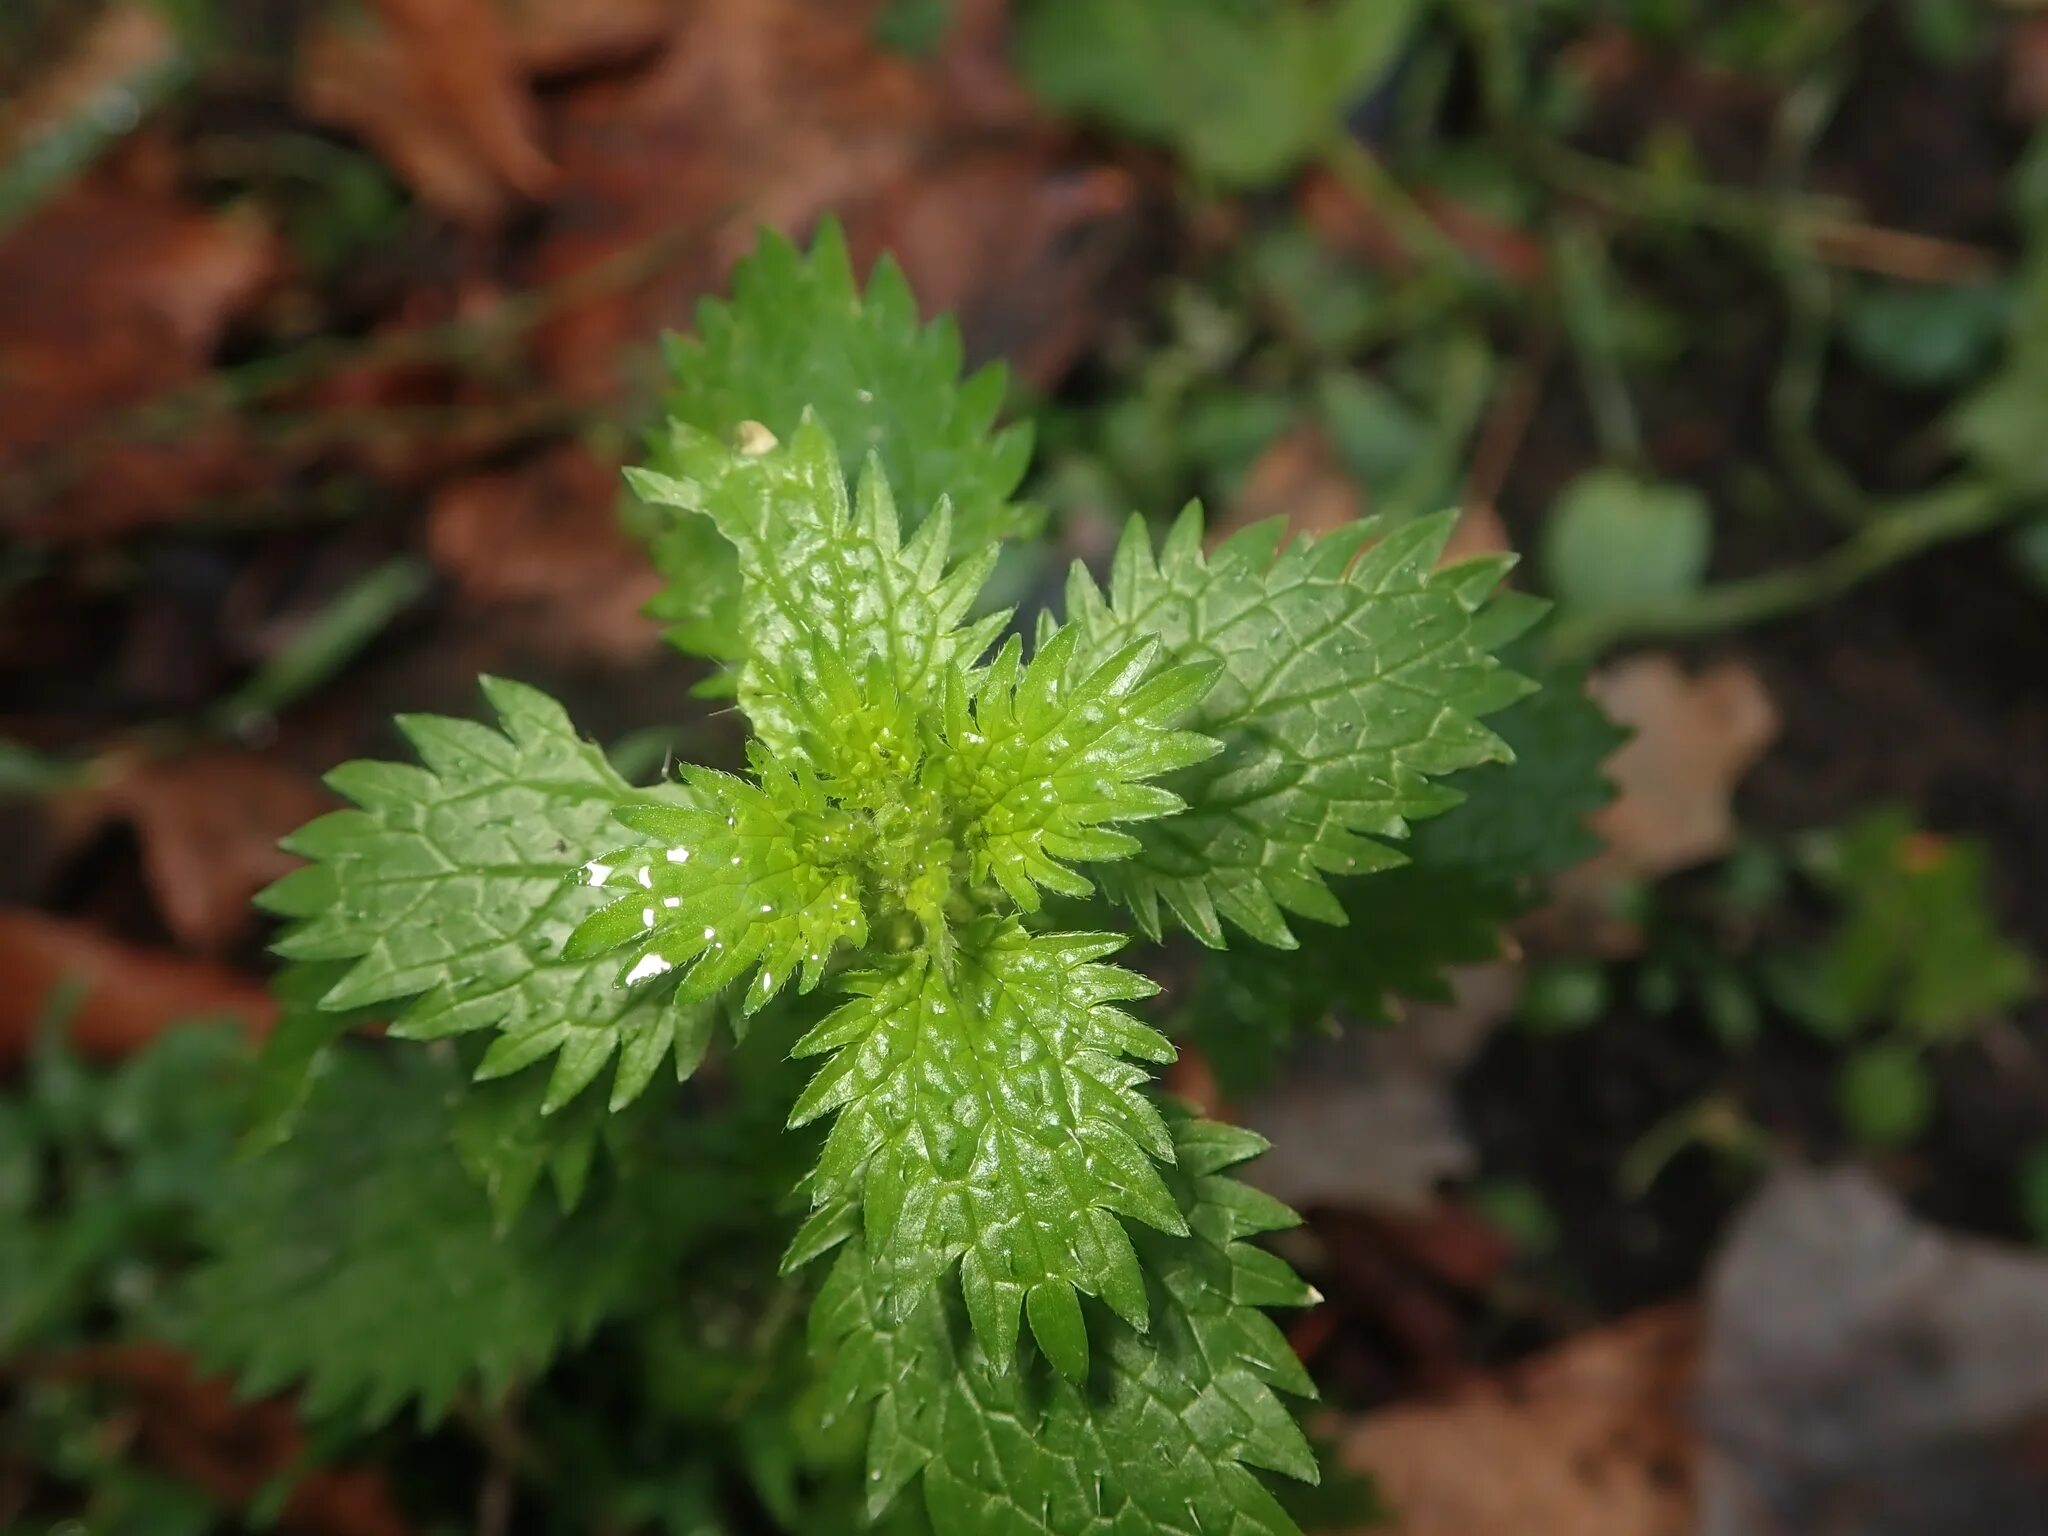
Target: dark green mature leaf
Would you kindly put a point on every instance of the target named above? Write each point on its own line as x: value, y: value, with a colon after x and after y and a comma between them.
x: 360, y: 1260
x: 1354, y: 675
x: 299, y: 1048
x: 1473, y: 869
x: 1246, y: 89
x: 798, y: 334
x: 990, y: 1117
x: 101, y: 1172
x: 1161, y: 1439
x: 450, y: 889
x: 846, y: 629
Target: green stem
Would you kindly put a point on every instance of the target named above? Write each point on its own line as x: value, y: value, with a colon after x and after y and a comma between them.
x: 1825, y: 227
x: 1943, y: 515
x: 1362, y: 175
x: 1583, y: 281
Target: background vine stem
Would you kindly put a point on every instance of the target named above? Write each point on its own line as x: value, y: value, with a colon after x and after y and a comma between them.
x: 1907, y: 528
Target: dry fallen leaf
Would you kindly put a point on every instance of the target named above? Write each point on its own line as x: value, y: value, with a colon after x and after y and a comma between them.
x: 1590, y: 1439
x: 1350, y: 226
x: 438, y: 90
x: 107, y: 298
x: 1368, y: 1118
x: 125, y: 44
x: 1694, y: 739
x: 1021, y: 249
x: 208, y: 825
x: 777, y: 112
x: 545, y: 536
x: 573, y: 37
x: 2026, y: 61
x: 1478, y: 531
x: 1299, y: 478
x: 200, y: 1430
x: 128, y: 996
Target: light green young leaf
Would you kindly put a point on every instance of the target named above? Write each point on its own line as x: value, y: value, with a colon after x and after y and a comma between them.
x: 745, y: 875
x: 449, y: 888
x: 1040, y: 762
x: 843, y: 626
x: 798, y: 333
x: 1353, y: 677
x: 1164, y: 1440
x: 1616, y: 541
x: 991, y: 1116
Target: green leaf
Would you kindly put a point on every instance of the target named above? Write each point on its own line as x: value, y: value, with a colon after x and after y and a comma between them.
x: 843, y: 627
x: 1042, y: 761
x: 1918, y: 943
x: 1926, y: 337
x: 1614, y: 541
x: 2032, y: 1183
x: 1162, y: 1438
x: 299, y: 1049
x: 991, y: 1117
x: 797, y: 334
x: 1353, y: 676
x: 360, y: 1260
x: 1473, y: 869
x: 1246, y: 91
x: 748, y: 875
x: 1886, y: 1097
x: 506, y: 1141
x: 450, y: 889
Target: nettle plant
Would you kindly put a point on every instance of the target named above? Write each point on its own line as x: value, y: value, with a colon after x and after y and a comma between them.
x: 1031, y: 1282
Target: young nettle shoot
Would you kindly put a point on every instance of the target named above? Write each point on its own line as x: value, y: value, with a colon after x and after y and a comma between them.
x: 1030, y: 1275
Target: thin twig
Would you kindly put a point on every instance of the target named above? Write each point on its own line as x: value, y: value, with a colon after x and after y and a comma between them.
x: 179, y: 409
x: 1360, y: 173
x: 1506, y: 427
x: 1824, y: 226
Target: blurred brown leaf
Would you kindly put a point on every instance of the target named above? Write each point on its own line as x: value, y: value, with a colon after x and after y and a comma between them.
x: 1299, y: 478
x: 758, y: 112
x: 107, y: 298
x: 546, y: 536
x: 572, y: 37
x: 1412, y: 1279
x: 1022, y: 249
x: 2026, y: 63
x: 778, y: 112
x: 126, y: 43
x: 208, y: 825
x: 1478, y: 531
x: 199, y: 1430
x: 1350, y: 226
x: 1590, y: 1439
x: 437, y: 89
x: 129, y: 995
x: 1694, y: 740
x: 1369, y: 1118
